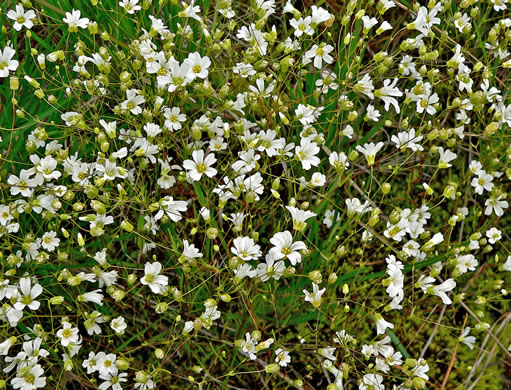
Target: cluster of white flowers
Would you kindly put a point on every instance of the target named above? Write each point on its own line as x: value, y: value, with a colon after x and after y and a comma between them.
x: 188, y: 168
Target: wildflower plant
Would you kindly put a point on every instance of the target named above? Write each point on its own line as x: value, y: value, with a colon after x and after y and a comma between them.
x: 226, y: 194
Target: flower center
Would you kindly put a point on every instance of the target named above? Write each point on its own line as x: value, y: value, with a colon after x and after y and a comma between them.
x: 201, y: 168
x: 30, y: 378
x: 26, y: 299
x: 178, y: 80
x: 149, y: 278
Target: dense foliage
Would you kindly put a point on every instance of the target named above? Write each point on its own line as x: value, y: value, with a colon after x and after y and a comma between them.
x: 231, y: 194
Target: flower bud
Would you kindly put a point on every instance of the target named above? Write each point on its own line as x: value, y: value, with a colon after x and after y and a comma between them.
x: 57, y: 300
x: 315, y: 276
x: 272, y: 368
x: 158, y: 352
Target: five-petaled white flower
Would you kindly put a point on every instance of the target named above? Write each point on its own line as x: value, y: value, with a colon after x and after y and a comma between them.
x: 6, y: 62
x: 315, y: 297
x: 153, y: 279
x: 246, y: 249
x: 200, y: 165
x: 21, y: 18
x: 133, y: 102
x: 284, y: 247
x: 28, y: 295
x: 74, y: 20
x: 68, y: 334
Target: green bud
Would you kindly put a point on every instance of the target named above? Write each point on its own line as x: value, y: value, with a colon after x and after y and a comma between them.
x: 127, y: 226
x: 272, y: 368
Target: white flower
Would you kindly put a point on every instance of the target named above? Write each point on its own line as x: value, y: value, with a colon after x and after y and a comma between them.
x: 118, y: 325
x: 320, y: 15
x: 446, y: 156
x: 495, y: 205
x: 465, y: 263
x: 381, y: 324
x: 315, y: 297
x: 507, y: 265
x: 307, y: 114
x: 21, y: 18
x: 469, y: 341
x: 441, y: 290
x: 339, y: 160
x: 408, y: 139
x: 6, y: 62
x: 113, y: 380
x: 372, y: 382
x: 177, y: 77
x: 421, y: 369
x: 282, y: 357
x: 317, y: 180
x: 385, y: 5
x: 365, y: 86
x: 270, y: 269
x: 200, y: 165
x: 246, y: 249
x: 306, y: 153
x: 372, y: 114
x: 247, y: 162
x: 388, y: 94
x: 354, y: 206
x: 68, y: 334
x: 23, y: 184
x: 153, y: 279
x: 493, y: 235
x: 131, y: 6
x: 198, y: 65
x: 49, y: 241
x: 369, y: 151
x: 302, y: 26
x: 368, y: 23
x: 6, y: 345
x: 173, y: 118
x: 395, y: 281
x: 91, y: 363
x: 320, y: 54
x: 284, y: 247
x: 133, y: 102
x: 152, y: 129
x: 143, y: 380
x: 328, y: 353
x: 299, y: 217
x: 28, y: 295
x: 254, y: 36
x: 328, y: 220
x: 191, y: 11
x: 31, y: 379
x: 244, y: 270
x: 483, y: 182
x: 74, y: 20
x: 425, y: 20
x: 244, y: 70
x: 172, y: 208
x: 92, y: 296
